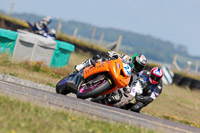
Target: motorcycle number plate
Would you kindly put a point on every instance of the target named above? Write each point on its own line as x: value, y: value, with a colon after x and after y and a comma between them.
x: 127, y: 69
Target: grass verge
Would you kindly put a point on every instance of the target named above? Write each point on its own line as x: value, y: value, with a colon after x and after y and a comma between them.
x: 14, y: 20
x: 23, y: 117
x: 176, y: 104
x: 37, y: 71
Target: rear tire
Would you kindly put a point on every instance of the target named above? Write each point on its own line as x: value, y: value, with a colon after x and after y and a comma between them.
x: 94, y: 92
x: 61, y: 86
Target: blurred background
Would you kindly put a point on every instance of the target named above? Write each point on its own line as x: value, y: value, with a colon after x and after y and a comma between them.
x: 158, y: 29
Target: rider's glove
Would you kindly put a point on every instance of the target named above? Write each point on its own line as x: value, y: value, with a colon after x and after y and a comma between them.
x: 97, y: 58
x: 112, y: 54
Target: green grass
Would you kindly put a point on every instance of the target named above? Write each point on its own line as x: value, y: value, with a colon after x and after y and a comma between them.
x: 176, y: 104
x: 14, y: 20
x: 37, y: 71
x: 24, y: 117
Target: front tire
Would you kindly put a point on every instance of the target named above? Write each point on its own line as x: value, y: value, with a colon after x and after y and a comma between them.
x: 94, y: 92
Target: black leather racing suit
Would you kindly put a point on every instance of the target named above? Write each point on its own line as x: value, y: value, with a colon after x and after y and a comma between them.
x: 150, y: 93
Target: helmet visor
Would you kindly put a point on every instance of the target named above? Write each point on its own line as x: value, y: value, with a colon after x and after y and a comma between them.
x: 138, y: 67
x: 155, y: 78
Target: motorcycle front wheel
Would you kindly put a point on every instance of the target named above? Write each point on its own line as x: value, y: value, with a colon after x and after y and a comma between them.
x: 93, y: 91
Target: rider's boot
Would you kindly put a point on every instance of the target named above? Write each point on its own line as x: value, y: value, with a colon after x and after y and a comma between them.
x: 85, y: 64
x: 89, y: 62
x: 137, y: 107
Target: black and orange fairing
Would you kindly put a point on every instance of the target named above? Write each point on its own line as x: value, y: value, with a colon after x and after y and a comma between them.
x: 115, y: 70
x: 98, y: 68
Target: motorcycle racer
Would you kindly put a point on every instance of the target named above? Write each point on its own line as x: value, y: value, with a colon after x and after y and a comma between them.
x: 42, y: 26
x: 152, y: 88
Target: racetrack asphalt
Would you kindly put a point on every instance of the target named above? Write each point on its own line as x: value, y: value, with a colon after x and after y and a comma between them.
x: 91, y: 108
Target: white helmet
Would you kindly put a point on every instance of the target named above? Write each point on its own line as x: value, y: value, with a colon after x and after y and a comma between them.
x: 48, y: 19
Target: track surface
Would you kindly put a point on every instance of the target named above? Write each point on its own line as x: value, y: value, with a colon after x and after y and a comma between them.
x: 107, y: 112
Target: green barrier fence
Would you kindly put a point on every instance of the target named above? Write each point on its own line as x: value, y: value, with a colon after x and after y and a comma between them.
x: 7, y: 40
x: 61, y: 54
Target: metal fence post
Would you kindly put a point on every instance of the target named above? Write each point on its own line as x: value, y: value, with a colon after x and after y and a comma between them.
x: 59, y: 26
x: 93, y: 34
x: 11, y: 9
x: 101, y: 39
x: 75, y: 32
x: 196, y: 67
x: 118, y: 42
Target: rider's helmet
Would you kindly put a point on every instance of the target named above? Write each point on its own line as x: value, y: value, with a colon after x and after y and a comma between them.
x: 139, y: 62
x: 48, y: 19
x: 52, y: 32
x: 155, y: 75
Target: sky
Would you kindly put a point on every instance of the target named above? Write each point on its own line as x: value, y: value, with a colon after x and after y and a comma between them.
x: 177, y: 21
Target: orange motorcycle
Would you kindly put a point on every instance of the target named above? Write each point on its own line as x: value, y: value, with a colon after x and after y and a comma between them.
x: 103, y: 78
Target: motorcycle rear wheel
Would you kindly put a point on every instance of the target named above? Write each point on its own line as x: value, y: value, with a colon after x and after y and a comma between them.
x: 94, y: 92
